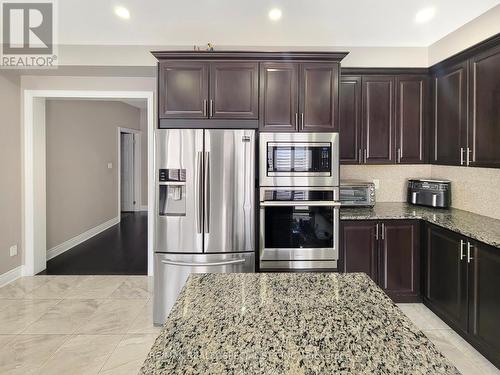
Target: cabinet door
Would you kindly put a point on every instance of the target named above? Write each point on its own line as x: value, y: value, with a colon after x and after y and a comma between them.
x: 484, y: 279
x: 350, y: 120
x: 484, y: 129
x: 378, y: 119
x: 411, y: 109
x: 446, y: 276
x: 359, y: 247
x: 399, y: 274
x: 450, y: 115
x: 279, y: 97
x: 318, y: 97
x: 234, y: 90
x: 183, y: 89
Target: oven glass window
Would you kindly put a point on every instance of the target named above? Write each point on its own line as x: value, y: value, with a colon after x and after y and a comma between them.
x: 299, y: 227
x: 281, y: 158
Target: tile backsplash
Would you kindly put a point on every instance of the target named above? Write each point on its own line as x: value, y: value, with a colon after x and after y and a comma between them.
x: 473, y: 189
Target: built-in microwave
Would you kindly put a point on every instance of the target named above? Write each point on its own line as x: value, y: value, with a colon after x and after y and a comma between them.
x: 299, y: 159
x: 355, y: 193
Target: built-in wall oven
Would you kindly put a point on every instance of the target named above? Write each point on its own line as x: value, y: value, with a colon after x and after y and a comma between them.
x: 299, y: 200
x: 299, y: 159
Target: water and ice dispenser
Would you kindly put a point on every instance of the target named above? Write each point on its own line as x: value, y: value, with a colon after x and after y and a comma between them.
x: 172, y: 192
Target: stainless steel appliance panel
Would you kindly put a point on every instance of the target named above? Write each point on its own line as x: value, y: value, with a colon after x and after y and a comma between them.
x: 354, y: 193
x: 172, y: 271
x: 229, y: 224
x: 179, y: 191
x: 295, y: 159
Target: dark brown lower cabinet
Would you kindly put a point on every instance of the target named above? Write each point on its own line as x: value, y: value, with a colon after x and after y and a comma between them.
x: 462, y: 287
x: 388, y: 251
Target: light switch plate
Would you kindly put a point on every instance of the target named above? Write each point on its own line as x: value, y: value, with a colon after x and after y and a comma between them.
x: 13, y: 251
x: 110, y: 165
x: 377, y: 184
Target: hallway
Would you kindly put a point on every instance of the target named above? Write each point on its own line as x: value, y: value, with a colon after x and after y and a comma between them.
x: 120, y: 250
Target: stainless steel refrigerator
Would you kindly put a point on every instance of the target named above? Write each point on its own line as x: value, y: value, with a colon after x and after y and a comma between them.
x: 205, y: 208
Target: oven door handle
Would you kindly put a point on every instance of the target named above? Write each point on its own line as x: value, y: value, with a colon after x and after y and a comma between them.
x: 299, y: 203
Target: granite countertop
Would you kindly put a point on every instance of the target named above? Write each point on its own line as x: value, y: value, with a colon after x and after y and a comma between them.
x: 290, y: 323
x: 478, y: 227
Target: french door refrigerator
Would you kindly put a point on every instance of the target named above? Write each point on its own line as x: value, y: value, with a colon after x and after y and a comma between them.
x: 205, y: 208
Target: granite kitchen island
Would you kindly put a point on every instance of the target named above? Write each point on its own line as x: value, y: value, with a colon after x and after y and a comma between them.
x: 290, y: 323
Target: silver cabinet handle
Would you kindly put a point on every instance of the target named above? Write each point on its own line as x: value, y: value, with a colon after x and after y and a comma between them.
x: 360, y: 156
x: 400, y: 155
x: 462, y: 254
x: 296, y: 120
x: 461, y: 156
x: 205, y: 105
x: 376, y: 232
x: 468, y: 155
x: 199, y: 193
x: 383, y: 230
x: 366, y: 155
x: 469, y: 247
x: 211, y: 108
x: 195, y: 264
x: 300, y: 204
x: 302, y: 119
x: 207, y: 192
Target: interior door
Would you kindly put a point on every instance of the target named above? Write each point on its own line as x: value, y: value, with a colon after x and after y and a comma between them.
x: 229, y: 224
x: 179, y: 208
x: 127, y: 190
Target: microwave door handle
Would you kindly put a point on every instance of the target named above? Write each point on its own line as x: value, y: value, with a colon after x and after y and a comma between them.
x: 300, y: 204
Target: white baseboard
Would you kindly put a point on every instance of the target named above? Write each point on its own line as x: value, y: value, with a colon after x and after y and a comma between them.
x: 144, y: 207
x: 72, y: 242
x: 11, y: 275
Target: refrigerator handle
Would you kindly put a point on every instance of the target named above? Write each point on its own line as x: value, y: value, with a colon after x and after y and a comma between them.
x: 202, y: 264
x: 199, y: 193
x: 207, y: 192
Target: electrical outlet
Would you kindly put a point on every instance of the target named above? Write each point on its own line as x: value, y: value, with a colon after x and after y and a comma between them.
x: 13, y: 251
x: 110, y: 165
x: 377, y: 184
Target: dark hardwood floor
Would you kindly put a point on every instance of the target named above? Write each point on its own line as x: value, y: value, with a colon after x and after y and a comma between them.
x: 120, y: 250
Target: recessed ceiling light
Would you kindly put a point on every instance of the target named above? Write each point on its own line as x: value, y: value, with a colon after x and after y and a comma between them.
x: 275, y: 14
x: 122, y: 12
x: 425, y: 15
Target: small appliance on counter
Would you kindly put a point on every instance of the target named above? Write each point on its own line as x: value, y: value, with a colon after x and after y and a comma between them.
x: 429, y: 192
x: 357, y: 193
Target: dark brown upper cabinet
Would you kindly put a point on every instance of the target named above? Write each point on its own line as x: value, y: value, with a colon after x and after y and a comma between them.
x: 299, y: 96
x: 350, y: 119
x: 450, y: 115
x: 411, y: 113
x: 318, y: 97
x: 183, y: 89
x: 446, y: 275
x: 234, y: 90
x: 202, y: 90
x: 279, y: 99
x: 388, y: 251
x: 484, y: 122
x: 378, y: 119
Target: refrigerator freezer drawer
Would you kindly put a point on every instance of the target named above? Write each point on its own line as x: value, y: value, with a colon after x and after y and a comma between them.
x: 172, y: 270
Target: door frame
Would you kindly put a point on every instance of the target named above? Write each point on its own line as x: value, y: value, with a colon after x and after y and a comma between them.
x: 137, y: 167
x: 34, y: 172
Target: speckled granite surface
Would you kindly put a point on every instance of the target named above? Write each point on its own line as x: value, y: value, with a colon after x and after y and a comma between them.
x: 481, y: 228
x: 290, y: 323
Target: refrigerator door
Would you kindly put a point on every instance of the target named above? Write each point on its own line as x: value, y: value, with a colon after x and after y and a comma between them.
x: 229, y: 223
x: 172, y: 270
x: 179, y: 191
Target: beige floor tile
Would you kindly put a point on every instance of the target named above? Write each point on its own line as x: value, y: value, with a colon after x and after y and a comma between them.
x: 5, y: 339
x: 113, y: 316
x: 144, y: 321
x: 410, y: 311
x: 95, y: 287
x: 433, y: 321
x: 56, y: 288
x: 129, y: 355
x: 133, y: 287
x: 22, y: 313
x: 21, y: 287
x: 82, y: 354
x: 65, y: 317
x: 25, y: 354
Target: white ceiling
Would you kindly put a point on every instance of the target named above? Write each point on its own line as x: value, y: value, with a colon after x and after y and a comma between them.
x: 246, y: 23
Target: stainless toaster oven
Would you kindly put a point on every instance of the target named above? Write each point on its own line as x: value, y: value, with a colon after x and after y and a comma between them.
x: 354, y: 193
